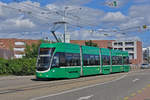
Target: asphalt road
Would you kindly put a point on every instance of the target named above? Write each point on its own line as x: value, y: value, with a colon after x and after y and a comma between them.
x: 102, y: 87
x: 116, y: 89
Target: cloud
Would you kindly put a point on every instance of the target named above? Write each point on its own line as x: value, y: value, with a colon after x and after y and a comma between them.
x: 84, y: 34
x: 22, y: 17
x: 33, y: 18
x: 72, y: 2
x: 14, y: 25
x: 141, y: 1
x: 78, y: 15
x: 114, y: 17
x: 140, y: 11
x: 30, y: 17
x: 129, y: 38
x: 132, y: 23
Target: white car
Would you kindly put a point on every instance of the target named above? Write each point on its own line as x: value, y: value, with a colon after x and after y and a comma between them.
x: 145, y: 66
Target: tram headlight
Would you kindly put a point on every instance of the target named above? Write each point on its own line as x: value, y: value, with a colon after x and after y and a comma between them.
x: 53, y: 70
x: 40, y: 74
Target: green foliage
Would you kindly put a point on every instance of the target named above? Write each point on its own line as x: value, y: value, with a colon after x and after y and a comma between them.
x: 4, y: 66
x: 22, y: 66
x: 90, y: 43
x: 31, y: 51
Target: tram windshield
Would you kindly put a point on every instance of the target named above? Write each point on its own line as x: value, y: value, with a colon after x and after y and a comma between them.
x: 44, y: 58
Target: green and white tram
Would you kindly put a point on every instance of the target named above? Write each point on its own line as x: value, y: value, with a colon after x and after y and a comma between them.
x: 65, y: 60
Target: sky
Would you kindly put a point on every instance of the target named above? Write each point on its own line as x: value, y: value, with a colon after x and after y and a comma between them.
x: 86, y: 19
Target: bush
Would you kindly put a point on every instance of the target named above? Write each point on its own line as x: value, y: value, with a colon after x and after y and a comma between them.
x: 25, y: 66
x: 22, y: 66
x: 4, y: 66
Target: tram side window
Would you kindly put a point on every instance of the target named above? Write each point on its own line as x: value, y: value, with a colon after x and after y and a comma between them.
x: 120, y: 60
x: 66, y: 59
x: 58, y: 60
x: 97, y: 60
x: 89, y: 59
x: 55, y: 62
x: 125, y: 60
x: 72, y: 59
x: 86, y: 60
x: 92, y: 60
x: 116, y: 60
x: 105, y: 60
x: 62, y: 59
x: 76, y: 59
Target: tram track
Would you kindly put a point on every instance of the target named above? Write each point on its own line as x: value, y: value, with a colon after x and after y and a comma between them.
x: 56, y: 83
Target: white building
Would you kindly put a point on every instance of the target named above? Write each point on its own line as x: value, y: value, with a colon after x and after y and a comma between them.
x: 146, y: 53
x: 134, y: 48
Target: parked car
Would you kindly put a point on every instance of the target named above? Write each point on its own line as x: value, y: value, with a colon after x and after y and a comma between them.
x: 145, y: 66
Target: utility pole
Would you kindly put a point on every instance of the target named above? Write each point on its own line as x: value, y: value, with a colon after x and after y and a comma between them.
x: 65, y: 24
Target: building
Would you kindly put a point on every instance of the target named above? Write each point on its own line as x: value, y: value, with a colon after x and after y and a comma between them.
x: 133, y: 47
x: 146, y: 55
x: 65, y: 37
x: 100, y: 43
x: 15, y: 47
x: 6, y: 54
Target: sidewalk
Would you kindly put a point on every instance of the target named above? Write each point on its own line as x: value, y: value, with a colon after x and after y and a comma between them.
x: 143, y: 94
x: 12, y: 77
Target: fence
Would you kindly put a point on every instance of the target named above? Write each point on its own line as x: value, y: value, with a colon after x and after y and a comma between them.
x: 6, y: 54
x: 135, y: 67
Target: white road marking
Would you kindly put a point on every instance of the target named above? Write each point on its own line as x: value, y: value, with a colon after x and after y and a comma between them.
x: 86, y: 97
x: 4, y: 92
x: 136, y: 79
x: 77, y: 89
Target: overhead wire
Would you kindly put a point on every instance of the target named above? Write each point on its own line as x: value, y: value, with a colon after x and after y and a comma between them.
x: 58, y: 13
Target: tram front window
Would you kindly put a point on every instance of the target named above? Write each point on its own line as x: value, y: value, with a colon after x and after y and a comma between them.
x: 44, y: 59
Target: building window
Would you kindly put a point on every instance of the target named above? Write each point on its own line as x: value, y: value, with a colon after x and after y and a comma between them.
x: 115, y: 44
x: 129, y: 43
x: 19, y: 49
x: 129, y: 49
x: 19, y: 55
x: 131, y: 56
x: 118, y: 44
x: 120, y: 48
x: 19, y: 43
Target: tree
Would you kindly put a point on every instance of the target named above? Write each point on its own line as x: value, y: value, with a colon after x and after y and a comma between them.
x: 31, y: 51
x: 90, y: 43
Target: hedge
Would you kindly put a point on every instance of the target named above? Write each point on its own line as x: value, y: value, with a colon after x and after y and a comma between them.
x: 24, y: 66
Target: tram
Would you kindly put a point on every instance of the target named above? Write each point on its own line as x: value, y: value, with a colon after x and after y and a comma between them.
x: 66, y: 60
